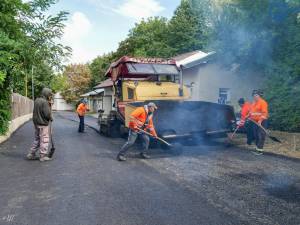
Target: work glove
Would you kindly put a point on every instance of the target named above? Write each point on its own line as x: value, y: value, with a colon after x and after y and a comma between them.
x: 240, y: 123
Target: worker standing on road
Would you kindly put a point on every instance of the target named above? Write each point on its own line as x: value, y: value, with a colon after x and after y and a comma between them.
x: 259, y: 114
x: 140, y: 119
x: 41, y: 117
x: 248, y: 126
x: 81, y: 110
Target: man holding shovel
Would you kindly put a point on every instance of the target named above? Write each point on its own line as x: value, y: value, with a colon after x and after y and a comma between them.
x: 140, y: 120
x: 41, y: 117
x: 258, y: 117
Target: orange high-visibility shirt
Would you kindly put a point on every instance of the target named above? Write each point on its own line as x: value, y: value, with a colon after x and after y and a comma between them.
x: 245, y: 110
x: 138, y: 118
x: 259, y: 110
x: 81, y: 109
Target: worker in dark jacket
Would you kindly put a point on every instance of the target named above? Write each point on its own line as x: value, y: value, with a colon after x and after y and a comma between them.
x: 41, y: 117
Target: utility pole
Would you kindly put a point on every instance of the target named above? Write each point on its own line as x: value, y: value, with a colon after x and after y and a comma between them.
x: 32, y: 84
x: 26, y: 84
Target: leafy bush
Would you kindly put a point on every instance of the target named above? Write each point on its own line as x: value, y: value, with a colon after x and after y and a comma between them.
x: 4, y: 108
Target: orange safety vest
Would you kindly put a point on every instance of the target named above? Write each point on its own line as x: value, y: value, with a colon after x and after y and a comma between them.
x: 259, y: 110
x: 81, y: 109
x: 245, y: 110
x: 138, y: 119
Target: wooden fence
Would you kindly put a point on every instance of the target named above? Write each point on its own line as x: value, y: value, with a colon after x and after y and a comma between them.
x: 20, y: 105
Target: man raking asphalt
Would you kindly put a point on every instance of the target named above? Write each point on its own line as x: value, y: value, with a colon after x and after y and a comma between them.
x: 141, y: 121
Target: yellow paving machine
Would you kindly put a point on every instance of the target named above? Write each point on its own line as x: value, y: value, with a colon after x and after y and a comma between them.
x: 138, y: 81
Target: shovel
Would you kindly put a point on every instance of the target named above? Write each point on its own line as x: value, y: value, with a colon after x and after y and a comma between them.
x: 267, y: 132
x: 158, y: 138
x: 234, y: 132
x: 52, y: 149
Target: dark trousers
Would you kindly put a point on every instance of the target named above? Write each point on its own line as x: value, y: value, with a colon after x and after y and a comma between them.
x: 249, y: 127
x: 81, y: 124
x: 132, y: 136
x: 260, y: 134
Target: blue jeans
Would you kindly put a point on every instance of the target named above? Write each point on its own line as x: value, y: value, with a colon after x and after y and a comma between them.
x: 132, y: 136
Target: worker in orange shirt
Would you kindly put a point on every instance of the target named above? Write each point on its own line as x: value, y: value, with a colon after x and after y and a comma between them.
x: 245, y: 111
x: 259, y: 113
x: 81, y: 110
x: 140, y: 119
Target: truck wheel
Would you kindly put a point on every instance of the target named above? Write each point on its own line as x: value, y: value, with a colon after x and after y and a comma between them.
x: 114, y: 130
x: 103, y: 130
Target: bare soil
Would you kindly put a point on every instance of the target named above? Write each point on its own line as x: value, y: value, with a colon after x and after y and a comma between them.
x: 290, y: 145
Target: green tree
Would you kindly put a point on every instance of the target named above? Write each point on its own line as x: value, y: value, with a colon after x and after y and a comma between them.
x: 188, y: 29
x: 59, y: 83
x: 28, y: 39
x: 264, y: 35
x: 10, y: 36
x: 78, y: 78
x: 98, y: 68
x: 148, y: 39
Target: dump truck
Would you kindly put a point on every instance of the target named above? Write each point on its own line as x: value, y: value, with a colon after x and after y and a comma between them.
x: 137, y: 81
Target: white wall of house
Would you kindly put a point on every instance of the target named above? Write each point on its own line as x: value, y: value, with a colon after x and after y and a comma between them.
x: 60, y: 104
x: 208, y: 80
x: 103, y: 100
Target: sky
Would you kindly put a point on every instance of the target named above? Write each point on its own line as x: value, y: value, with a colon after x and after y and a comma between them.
x: 96, y: 27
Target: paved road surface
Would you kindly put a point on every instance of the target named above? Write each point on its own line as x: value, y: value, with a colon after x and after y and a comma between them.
x: 85, y: 185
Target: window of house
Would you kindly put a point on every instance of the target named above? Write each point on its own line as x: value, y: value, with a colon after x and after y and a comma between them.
x: 224, y: 95
x: 130, y: 93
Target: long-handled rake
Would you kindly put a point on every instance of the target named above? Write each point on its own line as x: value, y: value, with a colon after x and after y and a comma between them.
x: 266, y: 131
x: 158, y: 138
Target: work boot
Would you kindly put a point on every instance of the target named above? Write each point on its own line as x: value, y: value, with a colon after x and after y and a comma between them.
x: 45, y: 158
x: 31, y: 156
x: 121, y: 157
x: 145, y: 156
x: 259, y: 149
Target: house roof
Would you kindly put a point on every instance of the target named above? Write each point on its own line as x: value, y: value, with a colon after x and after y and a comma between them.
x: 184, y: 55
x: 91, y: 93
x: 191, y: 59
x: 103, y: 84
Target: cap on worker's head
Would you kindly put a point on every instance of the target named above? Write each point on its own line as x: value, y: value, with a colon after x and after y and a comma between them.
x: 257, y: 92
x: 84, y: 100
x: 241, y: 101
x: 152, y: 104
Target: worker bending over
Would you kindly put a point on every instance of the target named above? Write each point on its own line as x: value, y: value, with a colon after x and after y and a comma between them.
x: 140, y: 119
x: 244, y: 123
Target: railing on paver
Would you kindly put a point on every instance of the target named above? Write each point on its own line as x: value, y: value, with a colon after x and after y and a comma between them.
x: 20, y: 105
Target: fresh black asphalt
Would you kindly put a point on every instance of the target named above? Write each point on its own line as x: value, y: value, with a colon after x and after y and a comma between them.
x: 85, y: 185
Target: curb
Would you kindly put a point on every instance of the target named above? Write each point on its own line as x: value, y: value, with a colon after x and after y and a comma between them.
x: 14, y: 125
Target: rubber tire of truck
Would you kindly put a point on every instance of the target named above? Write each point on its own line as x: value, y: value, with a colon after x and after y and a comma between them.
x: 103, y: 130
x: 114, y: 129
